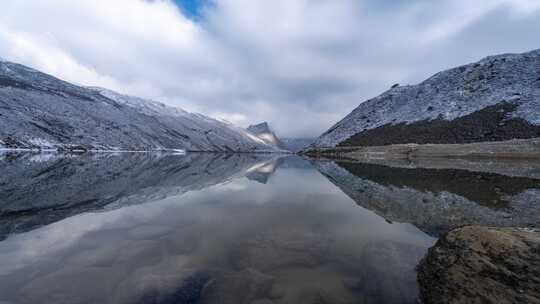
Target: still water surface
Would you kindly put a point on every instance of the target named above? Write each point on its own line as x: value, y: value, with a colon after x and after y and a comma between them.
x: 207, y: 228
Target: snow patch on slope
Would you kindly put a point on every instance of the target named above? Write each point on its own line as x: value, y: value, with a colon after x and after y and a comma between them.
x: 148, y: 107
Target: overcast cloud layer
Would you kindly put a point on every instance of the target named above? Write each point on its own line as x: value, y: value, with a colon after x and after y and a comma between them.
x: 299, y: 64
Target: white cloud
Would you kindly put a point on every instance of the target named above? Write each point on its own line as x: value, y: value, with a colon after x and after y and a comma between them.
x: 299, y: 64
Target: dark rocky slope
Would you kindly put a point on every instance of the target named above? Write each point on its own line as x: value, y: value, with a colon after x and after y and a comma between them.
x: 496, y: 99
x: 493, y: 123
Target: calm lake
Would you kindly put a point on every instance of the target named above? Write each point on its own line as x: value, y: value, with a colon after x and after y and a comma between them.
x: 238, y: 228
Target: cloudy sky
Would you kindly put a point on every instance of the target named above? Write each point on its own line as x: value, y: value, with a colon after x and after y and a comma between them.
x: 299, y: 64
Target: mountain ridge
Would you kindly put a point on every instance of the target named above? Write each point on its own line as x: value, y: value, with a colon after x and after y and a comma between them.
x: 508, y: 83
x: 40, y: 111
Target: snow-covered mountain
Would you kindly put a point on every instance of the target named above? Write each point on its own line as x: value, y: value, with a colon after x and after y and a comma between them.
x: 266, y: 134
x: 40, y: 111
x: 497, y: 98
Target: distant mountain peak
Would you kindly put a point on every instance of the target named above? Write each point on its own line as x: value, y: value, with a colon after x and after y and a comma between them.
x: 258, y: 128
x: 264, y: 132
x: 297, y: 144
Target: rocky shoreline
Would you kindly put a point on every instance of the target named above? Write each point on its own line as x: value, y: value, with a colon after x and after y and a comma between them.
x: 477, y: 264
x: 510, y: 149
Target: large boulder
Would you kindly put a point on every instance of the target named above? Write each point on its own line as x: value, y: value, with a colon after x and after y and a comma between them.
x: 482, y: 265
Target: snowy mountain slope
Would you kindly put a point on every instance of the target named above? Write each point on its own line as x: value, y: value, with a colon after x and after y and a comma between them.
x: 264, y: 132
x: 497, y: 98
x: 41, y: 111
x: 216, y: 132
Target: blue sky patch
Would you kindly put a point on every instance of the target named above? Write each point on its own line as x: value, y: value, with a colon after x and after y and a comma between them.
x: 190, y: 8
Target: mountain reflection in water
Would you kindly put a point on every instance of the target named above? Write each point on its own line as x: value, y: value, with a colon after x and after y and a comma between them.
x: 438, y: 200
x: 215, y: 228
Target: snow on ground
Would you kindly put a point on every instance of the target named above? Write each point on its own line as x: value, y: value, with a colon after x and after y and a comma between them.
x: 42, y: 143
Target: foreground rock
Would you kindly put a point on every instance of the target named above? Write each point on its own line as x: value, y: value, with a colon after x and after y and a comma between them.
x: 482, y: 265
